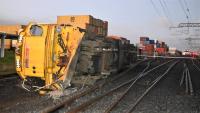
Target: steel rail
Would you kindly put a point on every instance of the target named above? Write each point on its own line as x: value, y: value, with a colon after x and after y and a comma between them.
x: 156, y: 81
x: 195, y: 65
x: 126, y: 91
x: 73, y: 98
x: 95, y: 99
x: 8, y: 78
x: 190, y: 83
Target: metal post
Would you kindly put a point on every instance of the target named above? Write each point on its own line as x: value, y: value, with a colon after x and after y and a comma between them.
x: 154, y: 52
x: 2, y: 45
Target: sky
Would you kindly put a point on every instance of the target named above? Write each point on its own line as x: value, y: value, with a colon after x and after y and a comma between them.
x: 127, y: 18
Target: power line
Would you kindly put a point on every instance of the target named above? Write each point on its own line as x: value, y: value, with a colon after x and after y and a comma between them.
x: 164, y: 11
x: 166, y: 6
x: 155, y: 8
x: 182, y: 6
x: 188, y: 10
x: 187, y: 17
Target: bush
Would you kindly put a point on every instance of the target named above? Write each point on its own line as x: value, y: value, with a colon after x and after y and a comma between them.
x: 9, y: 57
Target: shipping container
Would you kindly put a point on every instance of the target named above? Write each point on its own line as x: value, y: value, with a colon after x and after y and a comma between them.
x: 158, y: 45
x: 149, y: 47
x: 10, y: 29
x: 175, y: 52
x: 14, y: 42
x: 151, y: 42
x: 79, y: 21
x: 161, y: 51
x: 7, y: 44
x: 144, y: 38
x: 91, y: 24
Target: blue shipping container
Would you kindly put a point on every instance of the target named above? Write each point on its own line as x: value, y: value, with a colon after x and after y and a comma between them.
x: 157, y: 45
x: 151, y: 42
x: 146, y: 42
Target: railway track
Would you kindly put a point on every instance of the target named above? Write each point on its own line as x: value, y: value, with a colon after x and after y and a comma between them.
x: 170, y: 97
x: 8, y: 77
x: 192, y: 84
x: 89, y: 90
x: 196, y: 63
x: 127, y: 85
x: 153, y: 84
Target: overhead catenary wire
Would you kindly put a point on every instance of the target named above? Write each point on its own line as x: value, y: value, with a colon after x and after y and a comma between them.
x: 187, y: 7
x: 159, y: 13
x: 166, y: 7
x: 165, y: 12
x: 183, y: 8
x: 155, y: 8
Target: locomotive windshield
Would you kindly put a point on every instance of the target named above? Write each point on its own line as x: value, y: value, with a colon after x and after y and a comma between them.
x: 36, y: 30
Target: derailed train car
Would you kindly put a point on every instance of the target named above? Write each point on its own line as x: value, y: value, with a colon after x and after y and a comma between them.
x: 125, y: 53
x: 75, y: 50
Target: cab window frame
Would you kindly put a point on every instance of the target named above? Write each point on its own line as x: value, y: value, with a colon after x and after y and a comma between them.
x: 36, y: 30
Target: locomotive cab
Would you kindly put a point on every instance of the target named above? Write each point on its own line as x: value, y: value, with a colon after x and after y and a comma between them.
x: 48, y: 52
x: 33, y: 51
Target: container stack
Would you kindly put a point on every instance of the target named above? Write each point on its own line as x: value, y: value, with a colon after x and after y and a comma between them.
x: 149, y: 46
x: 87, y: 22
x: 161, y: 48
x: 146, y: 46
x: 144, y: 40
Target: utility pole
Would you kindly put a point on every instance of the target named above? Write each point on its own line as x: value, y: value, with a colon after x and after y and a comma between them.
x: 154, y: 53
x: 2, y: 45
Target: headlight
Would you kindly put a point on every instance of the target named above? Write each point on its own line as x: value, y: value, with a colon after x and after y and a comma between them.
x: 17, y: 63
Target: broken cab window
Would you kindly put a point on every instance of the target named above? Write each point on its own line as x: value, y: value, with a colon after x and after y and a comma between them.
x: 36, y: 30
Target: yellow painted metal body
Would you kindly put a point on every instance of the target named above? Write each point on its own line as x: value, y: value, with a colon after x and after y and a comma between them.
x: 48, y: 54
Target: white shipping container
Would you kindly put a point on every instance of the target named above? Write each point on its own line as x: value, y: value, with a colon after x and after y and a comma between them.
x: 14, y: 42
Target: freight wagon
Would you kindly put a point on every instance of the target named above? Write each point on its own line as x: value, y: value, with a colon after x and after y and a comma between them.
x: 188, y: 53
x: 174, y: 52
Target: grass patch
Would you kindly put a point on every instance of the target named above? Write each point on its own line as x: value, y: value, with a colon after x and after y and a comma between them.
x: 9, y: 57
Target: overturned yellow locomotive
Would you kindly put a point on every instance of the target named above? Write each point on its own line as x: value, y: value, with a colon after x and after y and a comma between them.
x: 51, y: 56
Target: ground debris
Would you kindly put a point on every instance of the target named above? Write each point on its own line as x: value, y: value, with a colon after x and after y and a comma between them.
x: 60, y: 93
